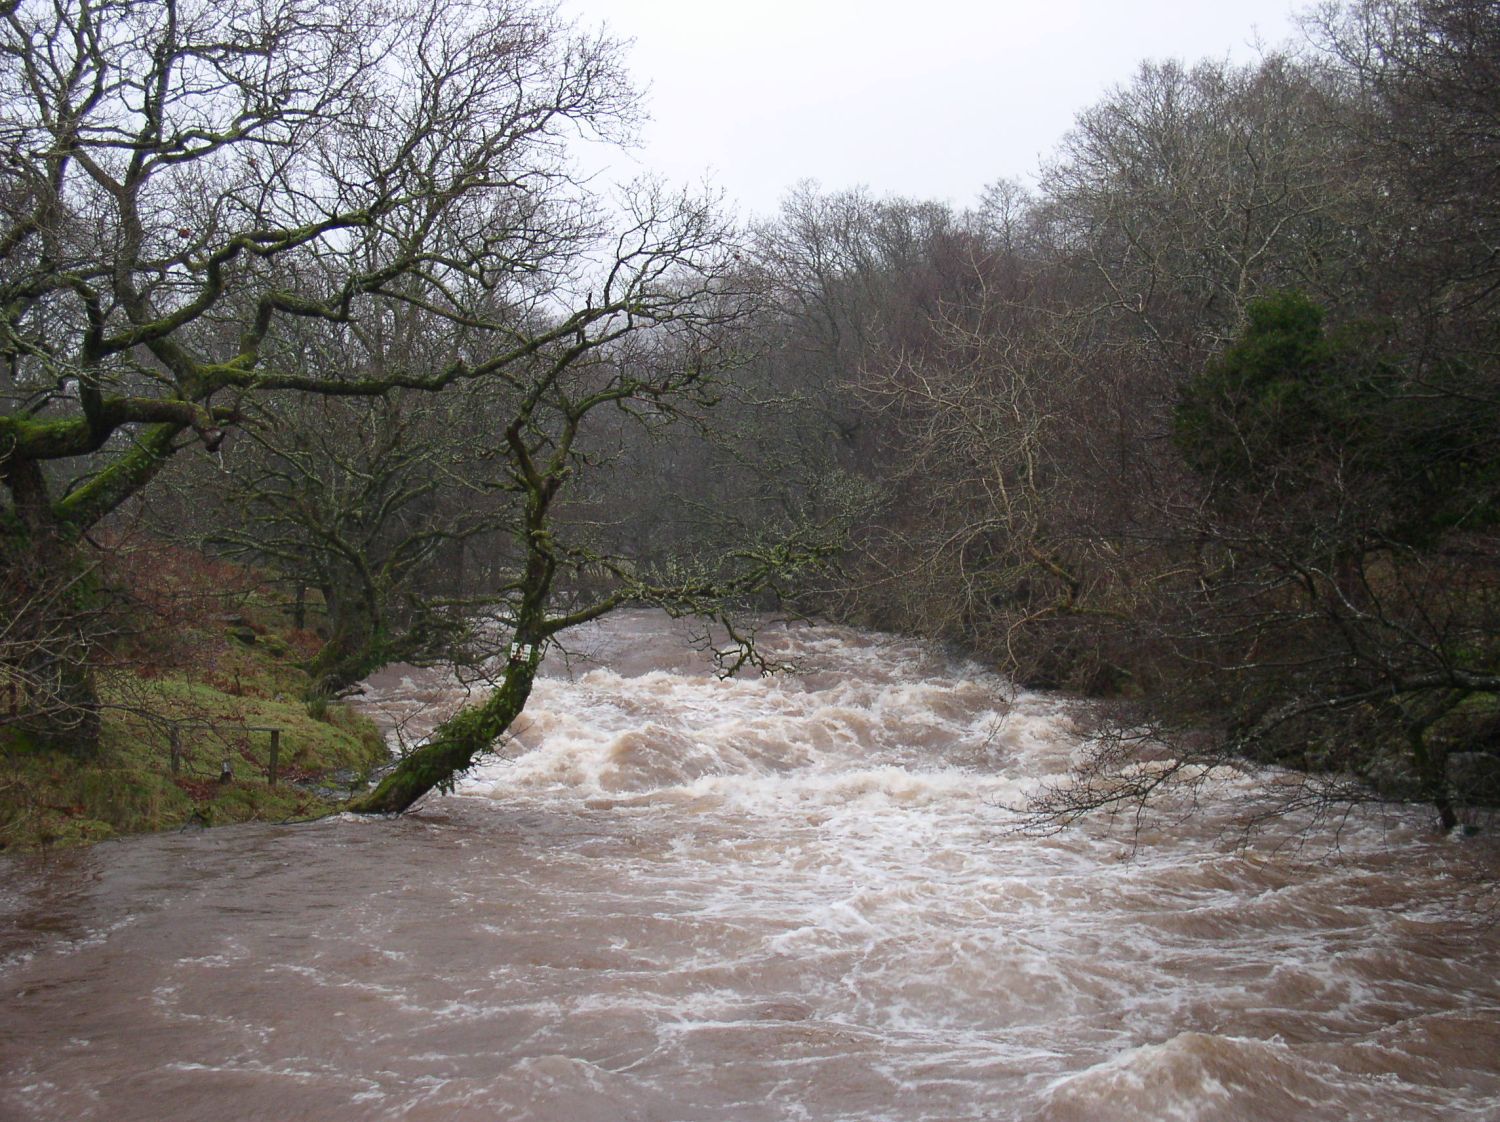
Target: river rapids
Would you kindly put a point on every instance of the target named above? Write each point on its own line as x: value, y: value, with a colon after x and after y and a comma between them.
x: 672, y: 897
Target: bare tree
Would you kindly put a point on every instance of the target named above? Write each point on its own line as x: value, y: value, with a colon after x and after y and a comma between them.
x: 186, y: 183
x: 356, y: 498
x: 1189, y: 191
x: 1422, y: 82
x: 542, y: 444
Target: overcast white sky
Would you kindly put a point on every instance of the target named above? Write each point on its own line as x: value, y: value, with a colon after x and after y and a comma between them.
x: 926, y: 98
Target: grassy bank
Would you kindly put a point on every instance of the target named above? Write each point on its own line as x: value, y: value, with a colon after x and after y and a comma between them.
x: 206, y: 656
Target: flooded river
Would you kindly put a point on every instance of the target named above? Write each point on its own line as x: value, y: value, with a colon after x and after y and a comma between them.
x: 678, y: 898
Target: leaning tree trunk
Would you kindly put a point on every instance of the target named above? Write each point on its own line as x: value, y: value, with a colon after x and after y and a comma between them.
x: 455, y: 745
x: 460, y: 740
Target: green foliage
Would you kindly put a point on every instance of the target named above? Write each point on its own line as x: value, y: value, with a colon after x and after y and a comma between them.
x: 1323, y: 417
x: 1280, y: 393
x: 1349, y: 621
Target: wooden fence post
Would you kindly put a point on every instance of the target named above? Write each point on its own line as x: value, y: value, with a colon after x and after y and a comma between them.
x: 275, y: 766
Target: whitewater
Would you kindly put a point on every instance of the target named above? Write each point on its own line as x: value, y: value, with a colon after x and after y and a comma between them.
x: 809, y: 896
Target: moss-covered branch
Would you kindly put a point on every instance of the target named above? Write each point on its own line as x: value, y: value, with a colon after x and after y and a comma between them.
x: 456, y: 744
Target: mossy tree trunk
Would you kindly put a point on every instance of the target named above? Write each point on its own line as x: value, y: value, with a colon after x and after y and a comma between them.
x: 357, y: 643
x: 455, y: 745
x: 51, y: 608
x: 457, y: 742
x: 72, y: 721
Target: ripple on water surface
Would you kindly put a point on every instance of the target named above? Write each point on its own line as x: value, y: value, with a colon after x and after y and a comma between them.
x: 675, y: 897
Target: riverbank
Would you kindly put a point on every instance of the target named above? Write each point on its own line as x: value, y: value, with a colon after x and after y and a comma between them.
x: 205, y: 667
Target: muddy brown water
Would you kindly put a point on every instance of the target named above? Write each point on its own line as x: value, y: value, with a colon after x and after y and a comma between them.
x: 679, y: 898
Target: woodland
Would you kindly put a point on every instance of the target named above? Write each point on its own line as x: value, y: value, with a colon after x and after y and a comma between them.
x: 319, y: 353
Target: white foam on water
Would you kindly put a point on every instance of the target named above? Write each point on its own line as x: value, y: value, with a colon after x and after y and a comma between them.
x: 673, y: 896
x: 857, y: 817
